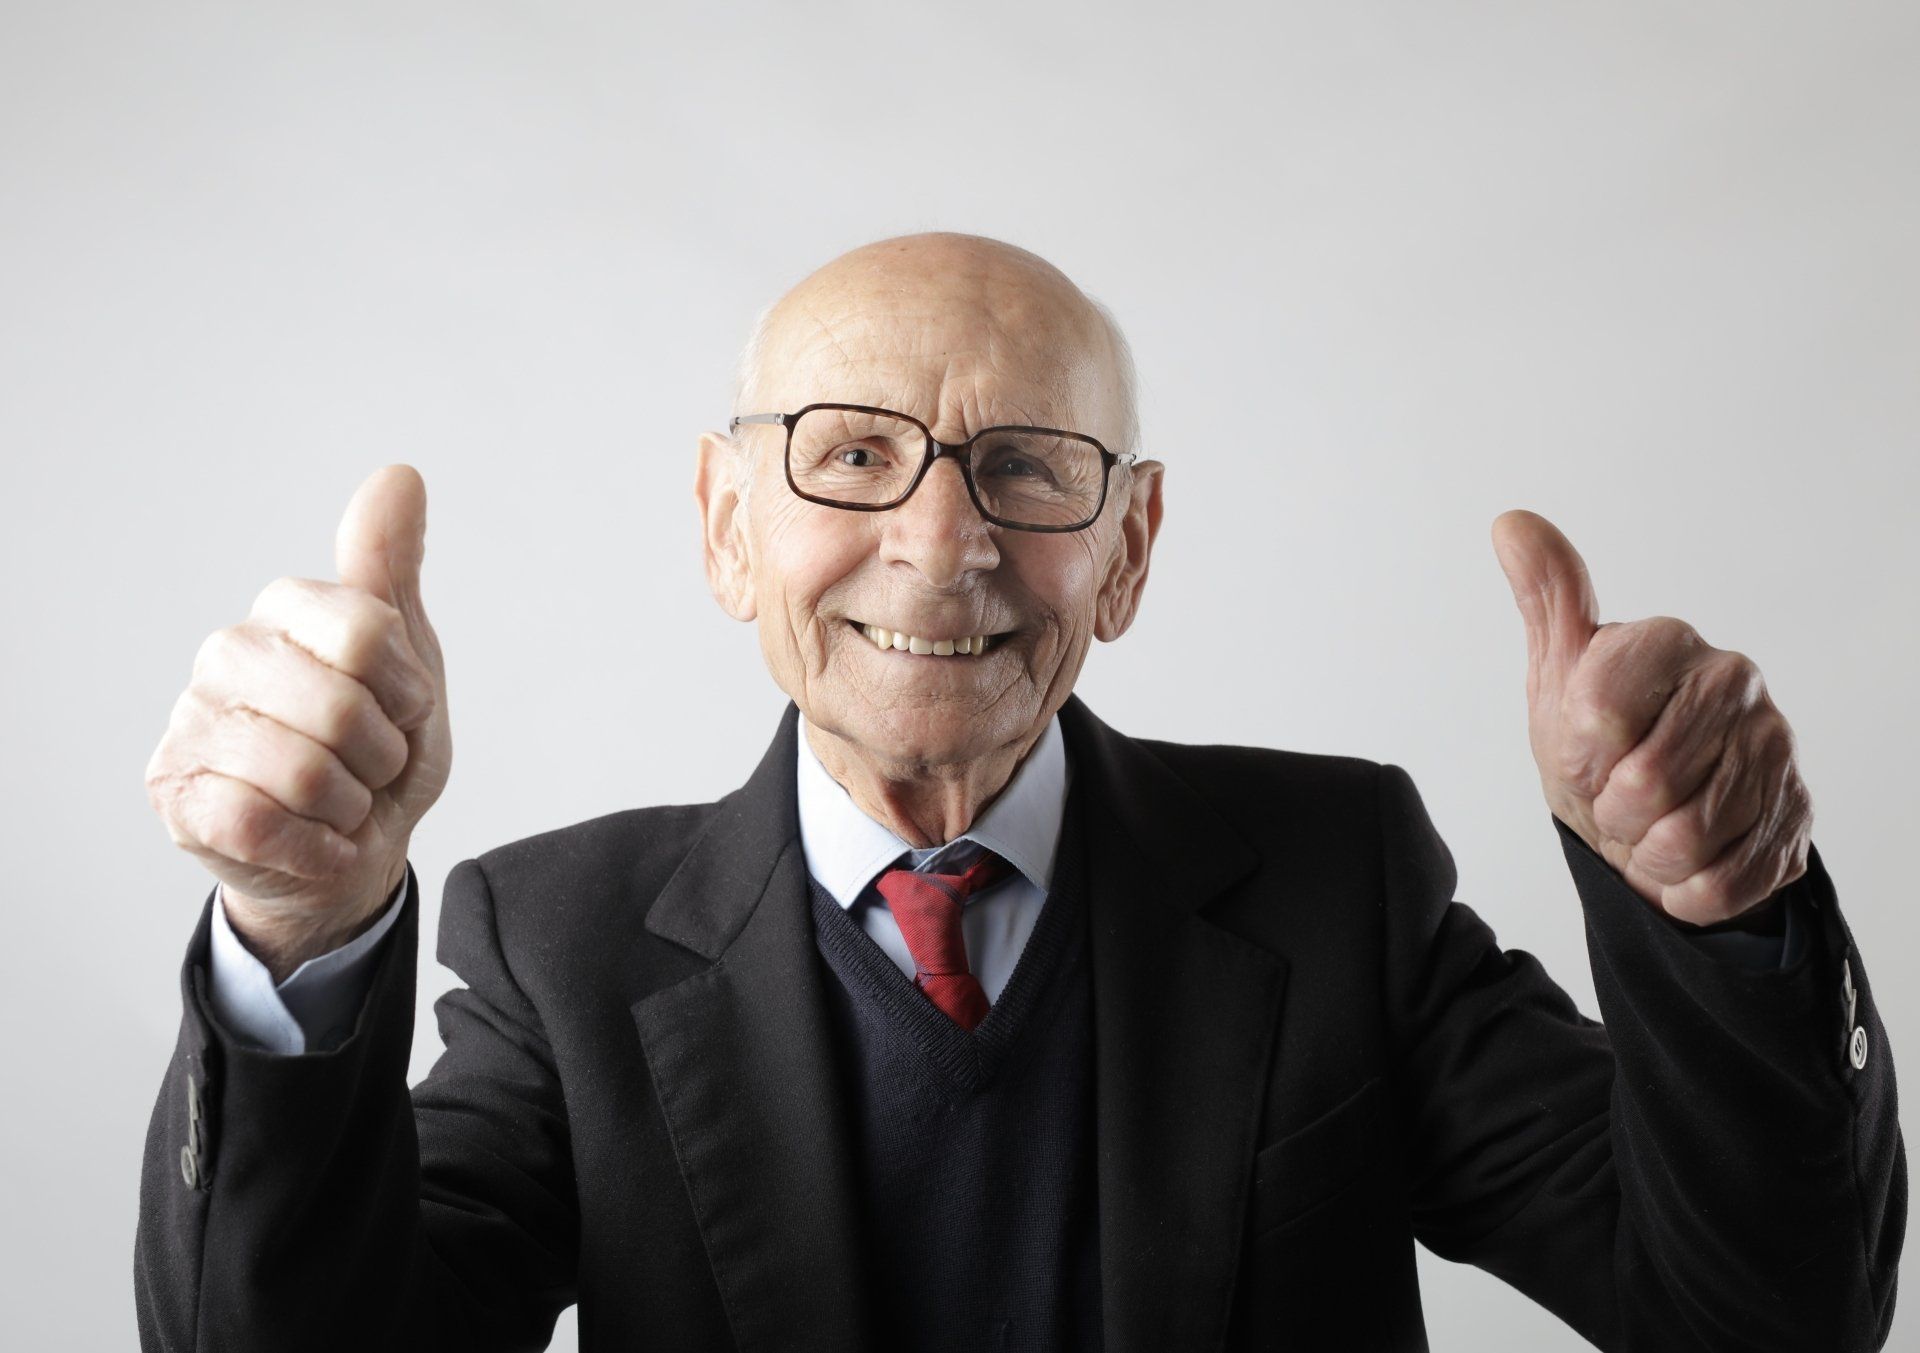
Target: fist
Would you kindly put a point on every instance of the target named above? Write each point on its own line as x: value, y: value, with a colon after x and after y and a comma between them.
x: 1660, y: 751
x: 313, y: 736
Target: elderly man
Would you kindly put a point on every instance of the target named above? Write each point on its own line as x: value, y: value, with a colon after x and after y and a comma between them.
x: 969, y: 1022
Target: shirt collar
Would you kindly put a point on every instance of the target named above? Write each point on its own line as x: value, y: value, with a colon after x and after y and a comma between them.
x: 845, y: 848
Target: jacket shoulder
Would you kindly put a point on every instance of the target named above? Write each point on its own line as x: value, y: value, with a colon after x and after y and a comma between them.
x: 633, y: 845
x: 1212, y: 769
x: 567, y: 907
x: 1313, y: 811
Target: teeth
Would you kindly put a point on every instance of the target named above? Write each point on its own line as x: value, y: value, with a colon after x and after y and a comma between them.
x: 912, y: 643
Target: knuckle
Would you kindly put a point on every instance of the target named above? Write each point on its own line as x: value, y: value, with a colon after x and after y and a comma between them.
x: 215, y: 651
x: 237, y: 724
x: 1800, y: 801
x: 1636, y: 780
x: 310, y: 780
x: 160, y: 763
x: 1676, y: 632
x: 1740, y: 676
x: 1711, y: 894
x: 339, y: 716
x: 161, y: 790
x: 359, y: 805
x: 390, y: 754
x: 1572, y: 762
x: 1776, y: 741
x: 179, y: 837
x: 165, y: 793
x: 187, y: 707
x: 1669, y: 845
x: 252, y: 829
x: 277, y: 595
x: 1594, y: 716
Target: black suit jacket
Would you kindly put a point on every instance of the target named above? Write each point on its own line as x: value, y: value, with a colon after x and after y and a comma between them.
x: 1308, y: 1056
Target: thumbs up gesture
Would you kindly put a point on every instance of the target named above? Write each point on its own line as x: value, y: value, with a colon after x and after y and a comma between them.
x: 313, y: 737
x: 1663, y: 753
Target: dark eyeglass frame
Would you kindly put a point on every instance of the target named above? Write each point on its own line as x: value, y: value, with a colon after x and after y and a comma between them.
x: 935, y: 449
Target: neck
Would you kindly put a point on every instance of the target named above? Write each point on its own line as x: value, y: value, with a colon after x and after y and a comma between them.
x: 922, y: 804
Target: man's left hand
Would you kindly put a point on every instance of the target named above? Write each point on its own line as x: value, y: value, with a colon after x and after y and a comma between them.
x: 1662, y: 752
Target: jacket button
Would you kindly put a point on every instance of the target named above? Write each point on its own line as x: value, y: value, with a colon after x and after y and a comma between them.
x: 190, y: 1153
x: 1857, y: 1047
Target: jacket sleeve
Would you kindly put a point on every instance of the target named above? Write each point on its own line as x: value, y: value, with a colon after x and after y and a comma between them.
x: 1716, y: 1165
x: 310, y: 1201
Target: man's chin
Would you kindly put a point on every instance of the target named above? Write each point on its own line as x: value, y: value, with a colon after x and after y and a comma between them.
x: 919, y: 736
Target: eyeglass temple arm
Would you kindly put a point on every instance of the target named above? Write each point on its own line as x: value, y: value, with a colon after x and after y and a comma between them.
x: 775, y: 419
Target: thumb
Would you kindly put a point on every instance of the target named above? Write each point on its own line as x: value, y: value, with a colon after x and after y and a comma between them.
x: 1553, y: 590
x: 381, y: 543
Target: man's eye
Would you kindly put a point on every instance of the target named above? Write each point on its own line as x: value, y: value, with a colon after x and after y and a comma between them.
x: 858, y: 456
x: 1017, y: 466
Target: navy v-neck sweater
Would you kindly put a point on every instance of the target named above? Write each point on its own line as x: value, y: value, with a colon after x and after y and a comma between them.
x: 974, y: 1151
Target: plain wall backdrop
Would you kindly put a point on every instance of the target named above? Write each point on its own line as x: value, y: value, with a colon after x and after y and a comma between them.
x: 1648, y: 269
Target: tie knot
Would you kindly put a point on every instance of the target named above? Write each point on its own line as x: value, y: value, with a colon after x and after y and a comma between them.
x: 927, y: 905
x: 986, y: 870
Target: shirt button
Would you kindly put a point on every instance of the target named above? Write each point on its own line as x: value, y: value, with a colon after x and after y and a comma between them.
x: 1857, y: 1047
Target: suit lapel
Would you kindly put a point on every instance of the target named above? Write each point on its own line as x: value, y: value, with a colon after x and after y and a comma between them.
x: 1185, y: 1017
x: 742, y: 1061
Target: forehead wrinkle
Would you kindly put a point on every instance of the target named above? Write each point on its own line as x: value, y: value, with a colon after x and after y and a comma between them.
x: 1002, y: 357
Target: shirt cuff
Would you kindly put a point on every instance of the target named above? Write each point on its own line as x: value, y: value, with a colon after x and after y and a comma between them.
x: 315, y: 1008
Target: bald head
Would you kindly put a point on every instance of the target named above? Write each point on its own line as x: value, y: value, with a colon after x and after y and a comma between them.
x: 904, y: 313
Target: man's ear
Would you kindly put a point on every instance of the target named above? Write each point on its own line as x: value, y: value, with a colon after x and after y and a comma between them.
x: 1119, y: 599
x: 723, y: 525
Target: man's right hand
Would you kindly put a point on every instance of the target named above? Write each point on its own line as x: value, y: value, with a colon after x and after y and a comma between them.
x: 313, y: 736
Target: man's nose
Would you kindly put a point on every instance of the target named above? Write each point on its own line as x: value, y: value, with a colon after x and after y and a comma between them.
x: 938, y: 530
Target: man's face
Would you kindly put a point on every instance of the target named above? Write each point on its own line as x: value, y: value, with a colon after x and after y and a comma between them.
x: 962, y: 336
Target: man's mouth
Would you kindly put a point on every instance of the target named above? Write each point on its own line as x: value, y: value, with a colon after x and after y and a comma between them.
x: 966, y: 645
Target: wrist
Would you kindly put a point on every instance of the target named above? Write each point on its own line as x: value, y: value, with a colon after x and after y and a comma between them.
x: 282, y: 940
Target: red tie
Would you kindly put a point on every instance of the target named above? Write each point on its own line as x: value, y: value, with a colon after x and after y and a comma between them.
x: 927, y: 906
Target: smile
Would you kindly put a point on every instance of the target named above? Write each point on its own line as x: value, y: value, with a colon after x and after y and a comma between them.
x: 971, y: 644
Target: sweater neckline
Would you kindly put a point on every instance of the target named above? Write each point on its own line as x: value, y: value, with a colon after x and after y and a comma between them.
x: 968, y: 1059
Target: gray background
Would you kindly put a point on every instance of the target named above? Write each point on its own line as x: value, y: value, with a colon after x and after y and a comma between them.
x: 1648, y: 269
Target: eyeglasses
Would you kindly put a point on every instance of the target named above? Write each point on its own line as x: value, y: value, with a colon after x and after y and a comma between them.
x: 865, y: 459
